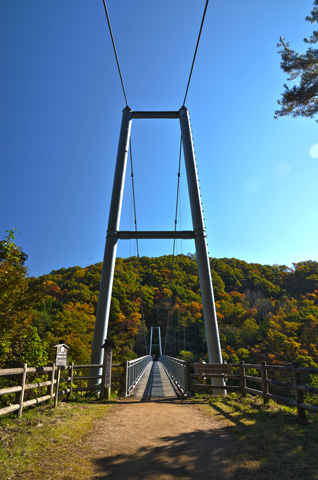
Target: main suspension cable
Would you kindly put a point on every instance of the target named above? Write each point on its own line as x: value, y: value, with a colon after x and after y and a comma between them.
x: 196, y: 49
x: 115, y: 52
x: 116, y: 56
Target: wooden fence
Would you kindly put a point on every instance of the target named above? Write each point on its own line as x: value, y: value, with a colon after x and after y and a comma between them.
x: 51, y: 383
x: 288, y: 384
x: 293, y: 385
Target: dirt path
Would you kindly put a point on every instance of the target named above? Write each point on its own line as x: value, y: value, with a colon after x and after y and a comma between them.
x: 160, y: 441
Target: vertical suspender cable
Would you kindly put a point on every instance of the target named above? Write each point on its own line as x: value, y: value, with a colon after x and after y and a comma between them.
x: 169, y: 323
x: 137, y: 245
x: 133, y: 194
x: 177, y: 201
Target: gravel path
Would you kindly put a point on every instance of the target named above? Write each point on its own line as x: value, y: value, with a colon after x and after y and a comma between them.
x: 160, y: 440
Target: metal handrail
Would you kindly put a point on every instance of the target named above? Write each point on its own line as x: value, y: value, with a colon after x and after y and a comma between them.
x: 135, y: 369
x: 177, y: 370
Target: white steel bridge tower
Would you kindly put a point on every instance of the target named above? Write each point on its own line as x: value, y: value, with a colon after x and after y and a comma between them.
x: 198, y: 234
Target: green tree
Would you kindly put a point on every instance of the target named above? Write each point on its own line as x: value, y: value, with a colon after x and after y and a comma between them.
x: 20, y: 341
x: 75, y: 325
x: 301, y: 99
x: 14, y: 291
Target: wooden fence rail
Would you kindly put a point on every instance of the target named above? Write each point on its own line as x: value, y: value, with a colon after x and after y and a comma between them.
x: 245, y: 375
x: 61, y: 381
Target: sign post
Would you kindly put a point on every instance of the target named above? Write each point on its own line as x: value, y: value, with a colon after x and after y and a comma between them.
x: 107, y: 369
x: 60, y: 361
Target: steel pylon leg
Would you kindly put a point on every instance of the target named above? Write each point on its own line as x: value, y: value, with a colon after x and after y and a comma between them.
x: 107, y: 277
x: 209, y: 312
x: 160, y: 346
x: 150, y: 344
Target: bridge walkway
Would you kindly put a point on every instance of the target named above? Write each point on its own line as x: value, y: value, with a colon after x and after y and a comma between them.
x: 154, y: 384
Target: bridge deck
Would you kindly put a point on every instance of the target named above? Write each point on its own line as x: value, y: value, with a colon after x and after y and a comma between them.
x: 155, y: 383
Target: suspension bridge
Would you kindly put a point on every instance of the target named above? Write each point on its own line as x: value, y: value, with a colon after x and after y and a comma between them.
x: 156, y: 381
x: 148, y: 378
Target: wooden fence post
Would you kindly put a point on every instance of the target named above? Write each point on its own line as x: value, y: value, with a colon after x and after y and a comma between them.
x: 242, y: 379
x: 57, y: 386
x: 299, y: 395
x: 265, y: 387
x: 51, y: 378
x: 21, y: 396
x: 71, y: 378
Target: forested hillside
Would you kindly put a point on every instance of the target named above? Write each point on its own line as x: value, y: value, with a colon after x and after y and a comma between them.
x: 264, y: 312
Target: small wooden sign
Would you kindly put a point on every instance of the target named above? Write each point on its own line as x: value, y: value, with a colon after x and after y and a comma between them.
x: 61, y: 355
x: 212, y: 368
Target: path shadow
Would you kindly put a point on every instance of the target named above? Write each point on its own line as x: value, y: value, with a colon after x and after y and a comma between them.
x: 191, y: 456
x: 270, y: 445
x: 147, y: 392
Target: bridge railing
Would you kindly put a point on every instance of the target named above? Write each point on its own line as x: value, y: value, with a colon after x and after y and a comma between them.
x: 134, y: 371
x: 178, y: 371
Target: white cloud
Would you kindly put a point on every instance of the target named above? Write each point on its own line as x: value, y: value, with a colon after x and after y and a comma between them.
x: 313, y: 152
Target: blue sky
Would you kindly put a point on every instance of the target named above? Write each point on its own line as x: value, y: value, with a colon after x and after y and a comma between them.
x: 60, y: 114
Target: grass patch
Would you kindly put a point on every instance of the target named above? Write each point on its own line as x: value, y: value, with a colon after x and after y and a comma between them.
x: 270, y: 442
x: 49, y: 443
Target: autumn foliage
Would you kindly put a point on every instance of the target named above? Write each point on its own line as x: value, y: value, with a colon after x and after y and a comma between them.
x: 264, y: 312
